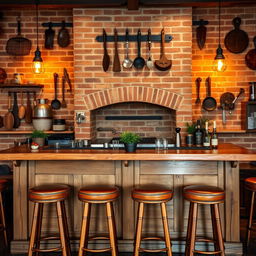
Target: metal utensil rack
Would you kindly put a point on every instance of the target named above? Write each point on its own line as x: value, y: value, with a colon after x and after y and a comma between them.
x: 56, y: 24
x: 133, y: 38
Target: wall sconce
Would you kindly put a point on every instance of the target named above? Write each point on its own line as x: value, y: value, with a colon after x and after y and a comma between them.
x: 219, y: 63
x: 37, y: 61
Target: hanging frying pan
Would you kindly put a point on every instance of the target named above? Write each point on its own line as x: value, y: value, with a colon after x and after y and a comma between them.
x: 250, y: 57
x: 49, y: 37
x: 237, y: 40
x: 226, y: 99
x: 209, y: 103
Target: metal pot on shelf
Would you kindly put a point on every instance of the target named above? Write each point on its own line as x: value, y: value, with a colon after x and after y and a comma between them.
x: 42, y: 115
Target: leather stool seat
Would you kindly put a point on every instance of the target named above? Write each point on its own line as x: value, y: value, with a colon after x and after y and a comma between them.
x: 145, y: 196
x: 250, y: 183
x: 3, y: 184
x: 41, y: 195
x: 152, y: 195
x: 49, y: 193
x: 98, y: 194
x: 204, y: 194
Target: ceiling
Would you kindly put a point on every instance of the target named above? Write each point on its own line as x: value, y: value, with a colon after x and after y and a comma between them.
x: 129, y: 4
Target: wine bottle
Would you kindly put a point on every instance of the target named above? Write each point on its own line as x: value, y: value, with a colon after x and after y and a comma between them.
x: 214, y: 139
x: 207, y: 137
x: 198, y: 134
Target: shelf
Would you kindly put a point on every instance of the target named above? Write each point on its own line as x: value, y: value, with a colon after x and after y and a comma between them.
x: 21, y: 87
x: 231, y: 131
x: 29, y: 132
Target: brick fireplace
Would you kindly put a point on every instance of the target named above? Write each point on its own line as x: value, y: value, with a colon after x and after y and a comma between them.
x: 96, y: 89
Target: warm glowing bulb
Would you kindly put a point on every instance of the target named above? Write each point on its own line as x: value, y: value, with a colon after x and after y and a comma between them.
x: 219, y: 65
x: 38, y: 67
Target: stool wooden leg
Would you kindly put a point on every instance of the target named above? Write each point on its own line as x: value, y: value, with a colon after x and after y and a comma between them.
x: 61, y: 228
x: 193, y: 229
x: 112, y: 231
x: 166, y: 229
x: 139, y: 229
x: 39, y: 226
x: 3, y: 220
x: 33, y: 229
x: 66, y: 233
x: 188, y: 238
x: 218, y: 229
x: 84, y: 228
x: 250, y: 219
x: 114, y: 225
x: 214, y: 230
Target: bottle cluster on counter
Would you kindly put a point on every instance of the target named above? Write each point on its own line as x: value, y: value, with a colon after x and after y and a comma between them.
x: 201, y: 136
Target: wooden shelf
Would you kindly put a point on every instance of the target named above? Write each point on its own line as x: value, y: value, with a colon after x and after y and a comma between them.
x: 231, y: 131
x: 29, y: 132
x: 21, y: 87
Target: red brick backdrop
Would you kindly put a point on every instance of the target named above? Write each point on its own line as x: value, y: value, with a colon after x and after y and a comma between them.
x: 235, y: 77
x: 88, y: 53
x: 54, y: 60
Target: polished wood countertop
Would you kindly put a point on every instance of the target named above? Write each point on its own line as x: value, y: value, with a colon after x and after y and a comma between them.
x: 225, y: 152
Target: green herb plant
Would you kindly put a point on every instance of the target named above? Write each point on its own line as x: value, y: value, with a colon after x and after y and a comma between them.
x: 38, y: 134
x: 191, y: 127
x: 129, y: 137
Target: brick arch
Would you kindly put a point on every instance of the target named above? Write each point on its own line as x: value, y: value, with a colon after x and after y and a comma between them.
x: 156, y: 96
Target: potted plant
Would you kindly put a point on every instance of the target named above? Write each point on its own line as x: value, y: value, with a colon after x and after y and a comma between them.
x: 130, y: 141
x: 39, y: 137
x: 191, y: 128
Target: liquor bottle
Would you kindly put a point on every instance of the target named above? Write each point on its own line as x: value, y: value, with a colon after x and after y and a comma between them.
x: 214, y: 140
x: 198, y: 134
x: 207, y: 137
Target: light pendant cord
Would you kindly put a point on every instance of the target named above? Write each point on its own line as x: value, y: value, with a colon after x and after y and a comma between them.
x: 219, y: 22
x: 37, y: 30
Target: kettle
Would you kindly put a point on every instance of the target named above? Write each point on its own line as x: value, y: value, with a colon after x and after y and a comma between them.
x: 42, y: 115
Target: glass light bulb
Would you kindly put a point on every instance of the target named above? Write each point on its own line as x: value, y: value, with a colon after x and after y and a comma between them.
x: 219, y: 65
x: 38, y: 67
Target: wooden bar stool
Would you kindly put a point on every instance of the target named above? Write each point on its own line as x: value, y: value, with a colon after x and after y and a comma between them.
x: 157, y: 196
x: 204, y: 195
x: 98, y: 195
x: 40, y: 195
x: 3, y: 186
x: 250, y: 184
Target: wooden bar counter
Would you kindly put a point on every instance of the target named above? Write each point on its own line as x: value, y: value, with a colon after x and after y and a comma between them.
x: 171, y: 168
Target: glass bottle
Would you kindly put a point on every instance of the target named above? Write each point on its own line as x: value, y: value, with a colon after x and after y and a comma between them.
x: 198, y: 134
x: 214, y: 139
x: 207, y: 137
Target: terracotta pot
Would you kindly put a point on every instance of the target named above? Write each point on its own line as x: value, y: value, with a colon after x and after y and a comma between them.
x: 39, y: 141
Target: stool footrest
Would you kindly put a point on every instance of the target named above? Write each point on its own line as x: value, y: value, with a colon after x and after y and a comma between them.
x: 47, y: 250
x: 207, y: 253
x: 154, y: 250
x: 98, y: 238
x: 204, y: 240
x: 97, y: 250
x: 153, y: 238
x: 49, y: 238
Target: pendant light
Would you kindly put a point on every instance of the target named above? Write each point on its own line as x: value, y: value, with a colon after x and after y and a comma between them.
x: 219, y: 63
x: 37, y: 61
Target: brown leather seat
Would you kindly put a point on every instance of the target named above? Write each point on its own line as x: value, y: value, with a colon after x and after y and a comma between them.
x: 3, y: 184
x: 152, y: 195
x: 98, y: 194
x: 250, y: 183
x: 204, y: 194
x: 49, y: 193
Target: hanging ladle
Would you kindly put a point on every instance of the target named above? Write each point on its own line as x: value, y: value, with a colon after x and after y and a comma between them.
x: 127, y: 63
x: 139, y: 62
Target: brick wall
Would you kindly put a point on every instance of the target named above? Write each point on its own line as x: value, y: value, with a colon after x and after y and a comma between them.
x: 54, y: 60
x: 90, y: 77
x: 235, y: 77
x: 146, y: 128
